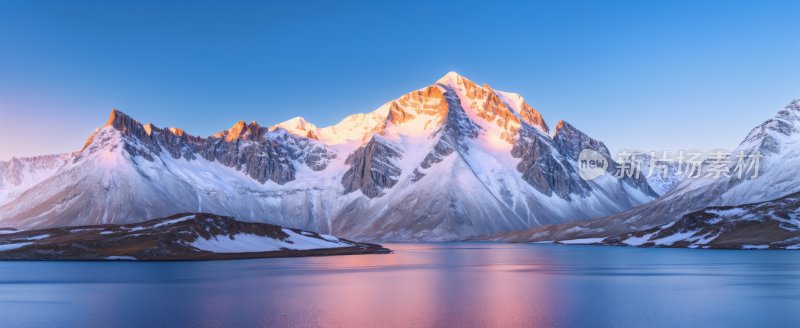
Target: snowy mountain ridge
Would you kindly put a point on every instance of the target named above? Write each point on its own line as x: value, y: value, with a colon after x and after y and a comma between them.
x: 448, y: 161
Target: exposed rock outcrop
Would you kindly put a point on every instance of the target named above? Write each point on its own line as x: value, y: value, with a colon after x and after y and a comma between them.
x: 544, y: 169
x: 456, y: 130
x: 372, y: 169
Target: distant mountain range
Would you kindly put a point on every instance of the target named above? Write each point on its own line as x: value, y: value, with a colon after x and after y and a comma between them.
x: 450, y: 161
x: 726, y: 212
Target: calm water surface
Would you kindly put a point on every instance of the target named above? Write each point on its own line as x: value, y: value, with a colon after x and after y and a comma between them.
x: 421, y: 285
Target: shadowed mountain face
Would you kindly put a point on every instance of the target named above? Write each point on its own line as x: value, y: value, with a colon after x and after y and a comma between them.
x: 776, y: 143
x: 187, y: 236
x: 449, y: 161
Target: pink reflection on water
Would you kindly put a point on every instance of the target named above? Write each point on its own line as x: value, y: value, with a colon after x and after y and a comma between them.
x: 405, y: 289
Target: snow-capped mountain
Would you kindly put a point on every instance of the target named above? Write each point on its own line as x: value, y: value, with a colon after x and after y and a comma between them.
x: 776, y: 141
x: 20, y: 174
x: 448, y: 161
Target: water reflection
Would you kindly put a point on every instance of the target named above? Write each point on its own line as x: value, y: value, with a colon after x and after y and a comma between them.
x: 421, y: 285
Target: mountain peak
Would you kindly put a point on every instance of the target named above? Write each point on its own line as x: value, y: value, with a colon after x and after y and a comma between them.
x: 570, y: 141
x: 566, y: 130
x: 177, y: 131
x: 521, y: 107
x: 235, y: 131
x: 451, y: 79
x: 298, y: 120
x: 795, y: 104
x: 770, y: 136
x: 790, y: 111
x: 296, y: 123
x: 118, y: 119
x: 127, y: 125
x: 124, y: 124
x: 451, y: 75
x: 562, y: 125
x: 298, y: 126
x: 242, y: 130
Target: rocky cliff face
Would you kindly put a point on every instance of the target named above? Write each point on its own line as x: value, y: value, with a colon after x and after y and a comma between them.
x: 448, y: 161
x: 543, y: 169
x: 456, y: 130
x: 261, y: 154
x: 570, y: 141
x: 371, y: 169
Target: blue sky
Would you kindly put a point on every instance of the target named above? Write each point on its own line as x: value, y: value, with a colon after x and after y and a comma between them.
x: 635, y: 74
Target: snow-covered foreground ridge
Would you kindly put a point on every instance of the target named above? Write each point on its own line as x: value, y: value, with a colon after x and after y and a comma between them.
x: 773, y: 224
x: 448, y: 161
x: 184, y: 236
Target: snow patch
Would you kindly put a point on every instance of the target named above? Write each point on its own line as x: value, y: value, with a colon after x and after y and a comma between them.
x: 747, y: 246
x: 37, y: 237
x: 173, y: 221
x: 728, y: 212
x: 247, y: 243
x: 302, y: 242
x: 121, y: 257
x: 671, y: 239
x: 638, y: 241
x: 582, y: 241
x: 8, y: 247
x: 329, y: 238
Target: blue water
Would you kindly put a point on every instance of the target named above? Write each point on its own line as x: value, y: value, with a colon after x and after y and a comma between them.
x: 421, y: 285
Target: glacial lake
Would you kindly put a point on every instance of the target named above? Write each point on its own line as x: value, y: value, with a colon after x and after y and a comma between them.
x: 420, y: 285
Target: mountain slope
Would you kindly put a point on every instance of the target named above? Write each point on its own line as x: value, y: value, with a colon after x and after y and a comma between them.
x: 20, y: 174
x: 773, y: 224
x: 777, y: 141
x: 448, y: 161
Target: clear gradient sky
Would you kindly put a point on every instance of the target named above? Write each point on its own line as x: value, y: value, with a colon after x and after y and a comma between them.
x: 635, y: 74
